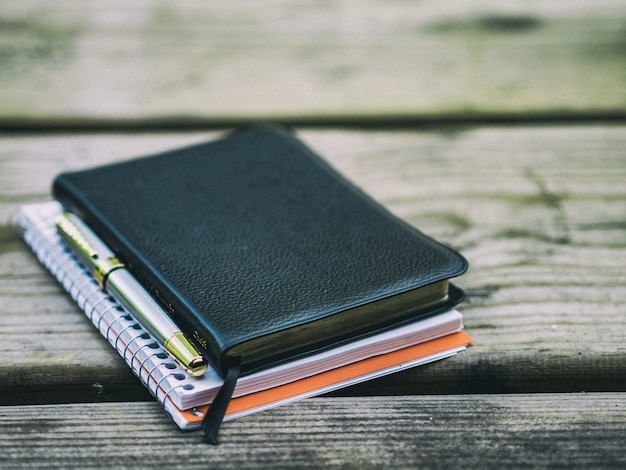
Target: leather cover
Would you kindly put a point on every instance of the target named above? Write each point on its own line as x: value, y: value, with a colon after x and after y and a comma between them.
x: 250, y: 235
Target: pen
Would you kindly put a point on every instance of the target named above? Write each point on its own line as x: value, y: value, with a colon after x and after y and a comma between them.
x: 122, y: 285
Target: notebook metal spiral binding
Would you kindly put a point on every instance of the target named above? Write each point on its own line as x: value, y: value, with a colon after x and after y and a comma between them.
x: 108, y: 316
x: 130, y: 361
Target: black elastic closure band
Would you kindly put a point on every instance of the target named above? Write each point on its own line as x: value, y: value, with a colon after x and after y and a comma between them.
x: 214, y: 417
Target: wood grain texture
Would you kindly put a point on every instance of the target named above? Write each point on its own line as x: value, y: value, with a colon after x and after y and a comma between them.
x: 538, y: 211
x: 474, y: 431
x: 95, y: 63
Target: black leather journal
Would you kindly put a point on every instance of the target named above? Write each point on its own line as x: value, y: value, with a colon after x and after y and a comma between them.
x: 259, y: 249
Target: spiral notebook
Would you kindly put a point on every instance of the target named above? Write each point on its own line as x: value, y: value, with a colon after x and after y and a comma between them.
x: 186, y: 398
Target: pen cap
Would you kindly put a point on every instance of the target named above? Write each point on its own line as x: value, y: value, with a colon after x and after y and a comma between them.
x: 180, y: 347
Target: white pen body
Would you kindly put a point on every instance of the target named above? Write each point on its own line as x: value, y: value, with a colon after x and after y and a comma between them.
x: 127, y: 291
x: 118, y: 282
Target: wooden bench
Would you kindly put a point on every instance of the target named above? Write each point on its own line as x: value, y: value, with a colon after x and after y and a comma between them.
x: 500, y: 131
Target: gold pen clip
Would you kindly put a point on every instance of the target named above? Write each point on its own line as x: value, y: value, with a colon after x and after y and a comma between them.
x: 86, y: 251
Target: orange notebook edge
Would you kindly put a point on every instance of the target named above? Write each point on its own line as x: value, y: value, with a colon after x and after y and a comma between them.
x: 247, y: 404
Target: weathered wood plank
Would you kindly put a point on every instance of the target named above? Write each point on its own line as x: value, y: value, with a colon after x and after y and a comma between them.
x: 475, y: 431
x: 538, y: 211
x: 79, y: 63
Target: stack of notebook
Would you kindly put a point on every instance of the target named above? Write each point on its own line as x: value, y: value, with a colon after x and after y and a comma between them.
x: 288, y: 280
